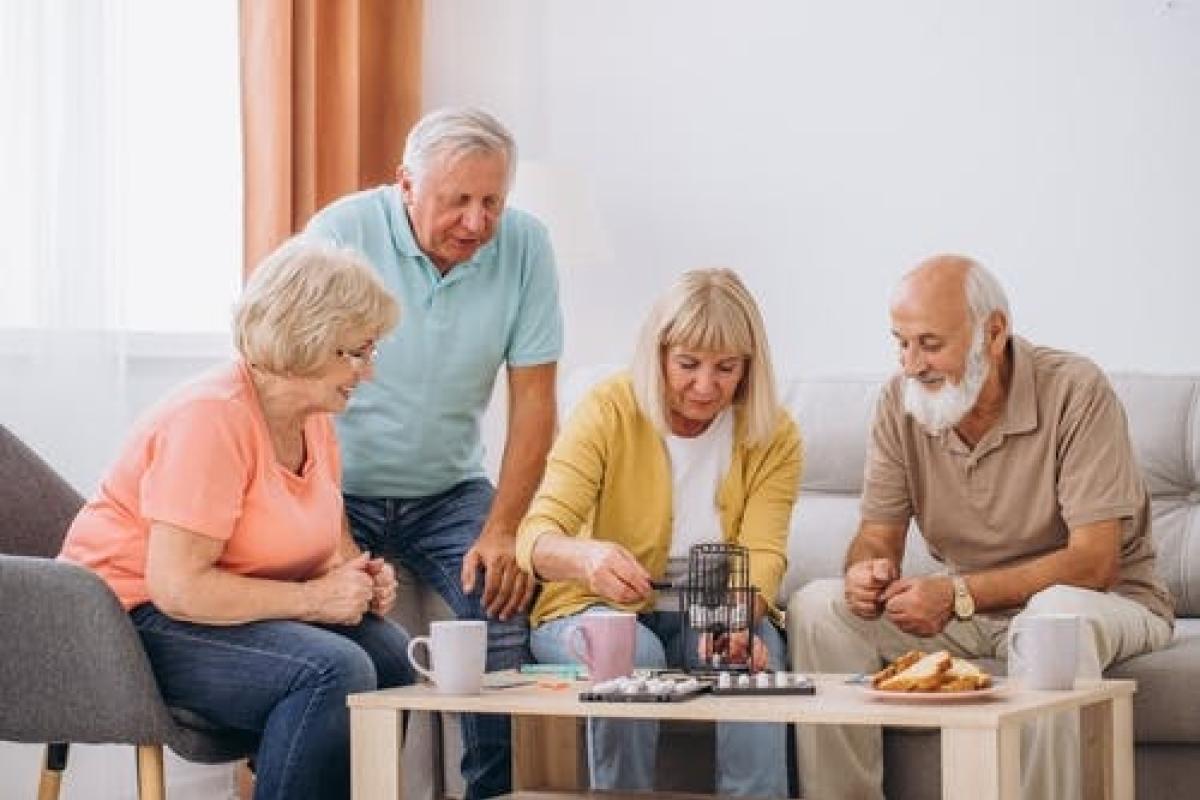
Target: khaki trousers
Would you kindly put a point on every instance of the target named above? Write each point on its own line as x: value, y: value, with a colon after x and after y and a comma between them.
x: 846, y: 762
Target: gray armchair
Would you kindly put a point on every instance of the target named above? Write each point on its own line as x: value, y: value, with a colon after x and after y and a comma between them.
x: 73, y: 668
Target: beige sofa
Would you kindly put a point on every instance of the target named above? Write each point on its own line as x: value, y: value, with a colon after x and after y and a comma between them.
x: 834, y: 415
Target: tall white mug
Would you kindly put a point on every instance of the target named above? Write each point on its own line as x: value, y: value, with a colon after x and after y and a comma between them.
x: 1043, y: 651
x: 457, y: 655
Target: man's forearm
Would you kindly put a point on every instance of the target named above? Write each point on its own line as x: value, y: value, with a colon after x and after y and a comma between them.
x: 877, y: 540
x: 531, y: 427
x: 1090, y: 561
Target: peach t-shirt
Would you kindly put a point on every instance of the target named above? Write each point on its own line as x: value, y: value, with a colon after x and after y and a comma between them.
x: 202, y: 460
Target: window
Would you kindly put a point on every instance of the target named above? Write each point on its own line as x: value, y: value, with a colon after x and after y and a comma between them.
x: 120, y: 158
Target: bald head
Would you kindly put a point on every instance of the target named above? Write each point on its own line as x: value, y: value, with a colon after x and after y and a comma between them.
x: 951, y: 325
x: 954, y: 288
x: 936, y: 287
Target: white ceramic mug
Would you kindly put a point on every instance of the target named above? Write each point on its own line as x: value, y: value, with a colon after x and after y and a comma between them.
x: 457, y: 655
x: 1043, y: 651
x: 604, y: 641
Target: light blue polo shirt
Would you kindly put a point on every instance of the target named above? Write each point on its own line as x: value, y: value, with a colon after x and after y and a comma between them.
x: 413, y: 431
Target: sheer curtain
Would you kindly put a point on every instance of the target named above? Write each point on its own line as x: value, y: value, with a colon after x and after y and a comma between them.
x: 121, y: 245
x: 120, y: 251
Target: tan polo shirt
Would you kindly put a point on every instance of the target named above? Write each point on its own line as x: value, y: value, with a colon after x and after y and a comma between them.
x: 1059, y: 457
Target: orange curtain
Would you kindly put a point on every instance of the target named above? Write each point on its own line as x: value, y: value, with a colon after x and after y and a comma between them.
x: 330, y: 89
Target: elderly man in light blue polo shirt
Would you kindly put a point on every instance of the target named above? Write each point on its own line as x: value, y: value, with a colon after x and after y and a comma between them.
x: 477, y: 287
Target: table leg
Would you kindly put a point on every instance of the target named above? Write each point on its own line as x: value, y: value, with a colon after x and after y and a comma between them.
x: 1106, y: 749
x: 376, y: 735
x: 547, y: 754
x: 981, y: 763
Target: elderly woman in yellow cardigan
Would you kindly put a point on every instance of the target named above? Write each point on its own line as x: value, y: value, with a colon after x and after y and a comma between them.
x: 690, y: 446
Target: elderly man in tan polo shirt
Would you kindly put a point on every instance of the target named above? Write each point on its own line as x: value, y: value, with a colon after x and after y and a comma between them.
x: 1015, y: 460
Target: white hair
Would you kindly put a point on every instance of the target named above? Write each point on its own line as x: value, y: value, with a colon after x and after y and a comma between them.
x: 985, y: 295
x: 452, y: 132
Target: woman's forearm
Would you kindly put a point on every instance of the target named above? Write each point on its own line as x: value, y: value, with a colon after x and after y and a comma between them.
x: 215, y: 596
x: 557, y: 557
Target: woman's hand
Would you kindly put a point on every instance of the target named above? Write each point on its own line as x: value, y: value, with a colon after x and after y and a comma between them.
x: 732, y: 648
x: 383, y: 595
x: 342, y: 595
x: 612, y: 572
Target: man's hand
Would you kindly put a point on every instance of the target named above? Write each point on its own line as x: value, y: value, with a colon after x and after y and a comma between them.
x: 613, y: 573
x: 866, y: 582
x: 384, y: 589
x: 507, y: 589
x: 920, y: 606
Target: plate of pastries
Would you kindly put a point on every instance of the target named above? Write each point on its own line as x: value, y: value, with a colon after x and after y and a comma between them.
x: 932, y: 677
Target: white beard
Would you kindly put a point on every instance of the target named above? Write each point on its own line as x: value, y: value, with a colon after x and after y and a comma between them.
x: 940, y: 410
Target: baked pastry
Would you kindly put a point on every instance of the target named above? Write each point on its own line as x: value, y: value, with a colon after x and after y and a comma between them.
x: 933, y: 672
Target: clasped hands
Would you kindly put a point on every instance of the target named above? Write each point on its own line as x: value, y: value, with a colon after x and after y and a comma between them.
x: 351, y: 589
x: 918, y: 606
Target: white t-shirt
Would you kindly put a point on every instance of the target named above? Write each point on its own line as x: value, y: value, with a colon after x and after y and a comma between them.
x: 698, y: 464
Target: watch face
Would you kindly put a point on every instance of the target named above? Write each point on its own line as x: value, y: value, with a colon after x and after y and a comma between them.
x: 964, y: 604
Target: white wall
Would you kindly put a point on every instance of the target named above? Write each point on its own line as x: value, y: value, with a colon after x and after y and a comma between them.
x: 821, y: 148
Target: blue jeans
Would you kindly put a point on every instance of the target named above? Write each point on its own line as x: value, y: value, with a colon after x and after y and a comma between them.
x: 429, y: 536
x: 285, y: 681
x: 751, y: 756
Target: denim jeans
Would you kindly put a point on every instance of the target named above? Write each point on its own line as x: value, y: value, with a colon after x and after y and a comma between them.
x: 283, y: 680
x: 429, y: 536
x: 751, y: 756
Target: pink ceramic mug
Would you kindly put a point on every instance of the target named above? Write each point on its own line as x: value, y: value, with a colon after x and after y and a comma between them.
x: 604, y: 642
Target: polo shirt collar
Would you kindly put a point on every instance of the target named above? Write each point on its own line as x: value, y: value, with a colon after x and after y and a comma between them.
x: 1020, y: 411
x: 402, y: 235
x: 406, y: 242
x: 1020, y: 408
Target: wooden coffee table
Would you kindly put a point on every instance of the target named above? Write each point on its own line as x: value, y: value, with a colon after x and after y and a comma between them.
x: 980, y: 740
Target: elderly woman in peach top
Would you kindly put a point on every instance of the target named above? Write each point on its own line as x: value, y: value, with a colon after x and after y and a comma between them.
x: 220, y: 527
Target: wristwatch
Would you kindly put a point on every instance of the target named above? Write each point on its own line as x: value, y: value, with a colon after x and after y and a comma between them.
x: 964, y: 604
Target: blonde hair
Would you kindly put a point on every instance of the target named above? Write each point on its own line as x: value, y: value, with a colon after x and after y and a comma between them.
x: 300, y: 299
x: 709, y: 310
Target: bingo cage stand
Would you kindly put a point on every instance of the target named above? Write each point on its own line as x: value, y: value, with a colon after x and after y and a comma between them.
x: 717, y: 601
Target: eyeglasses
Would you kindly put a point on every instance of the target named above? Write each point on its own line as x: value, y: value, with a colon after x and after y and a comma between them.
x: 361, y: 357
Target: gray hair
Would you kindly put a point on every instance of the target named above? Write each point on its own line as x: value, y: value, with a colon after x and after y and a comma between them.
x: 452, y: 132
x: 300, y: 299
x: 985, y: 295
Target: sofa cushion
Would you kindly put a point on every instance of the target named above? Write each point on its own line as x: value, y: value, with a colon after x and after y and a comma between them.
x: 1164, y: 421
x: 1164, y: 707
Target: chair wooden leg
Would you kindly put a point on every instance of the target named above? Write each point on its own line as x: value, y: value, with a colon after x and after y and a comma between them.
x: 52, y: 769
x: 245, y: 780
x: 150, y: 772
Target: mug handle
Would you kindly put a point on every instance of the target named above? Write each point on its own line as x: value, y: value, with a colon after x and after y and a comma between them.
x: 579, y: 645
x: 1016, y: 659
x: 412, y: 656
x: 1014, y: 636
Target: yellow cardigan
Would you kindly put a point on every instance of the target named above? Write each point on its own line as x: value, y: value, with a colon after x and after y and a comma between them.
x: 608, y: 477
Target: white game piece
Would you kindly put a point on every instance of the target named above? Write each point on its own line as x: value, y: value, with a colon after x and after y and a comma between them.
x: 743, y: 681
x: 724, y: 680
x: 762, y: 680
x: 781, y: 679
x: 688, y: 685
